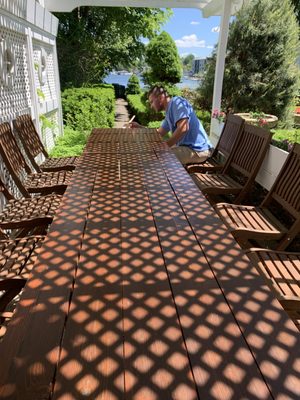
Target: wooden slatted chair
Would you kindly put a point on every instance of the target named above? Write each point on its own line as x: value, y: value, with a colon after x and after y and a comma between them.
x: 27, y: 213
x: 281, y: 271
x: 16, y: 261
x: 245, y: 161
x: 27, y: 181
x: 231, y: 131
x: 260, y: 223
x: 33, y: 147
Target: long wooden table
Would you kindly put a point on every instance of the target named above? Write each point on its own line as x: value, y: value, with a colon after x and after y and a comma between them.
x: 139, y: 292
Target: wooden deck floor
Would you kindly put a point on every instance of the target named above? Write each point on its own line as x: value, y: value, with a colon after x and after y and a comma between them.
x: 140, y: 293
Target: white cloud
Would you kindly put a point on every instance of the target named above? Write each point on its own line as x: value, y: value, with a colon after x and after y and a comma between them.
x: 195, y: 23
x: 209, y: 47
x: 190, y: 41
x: 216, y: 29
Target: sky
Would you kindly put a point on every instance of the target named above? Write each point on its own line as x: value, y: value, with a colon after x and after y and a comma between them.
x: 192, y: 33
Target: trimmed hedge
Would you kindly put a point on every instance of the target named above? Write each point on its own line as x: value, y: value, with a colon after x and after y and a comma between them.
x: 70, y: 144
x: 284, y: 138
x: 139, y: 108
x: 88, y: 108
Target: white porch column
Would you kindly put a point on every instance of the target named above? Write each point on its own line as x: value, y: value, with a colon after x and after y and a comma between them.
x: 220, y: 63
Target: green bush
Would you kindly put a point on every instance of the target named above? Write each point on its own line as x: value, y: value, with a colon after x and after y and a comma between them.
x: 88, y: 108
x: 285, y: 138
x: 133, y: 85
x: 140, y: 108
x: 163, y: 60
x: 154, y: 124
x: 204, y: 117
x: 70, y: 144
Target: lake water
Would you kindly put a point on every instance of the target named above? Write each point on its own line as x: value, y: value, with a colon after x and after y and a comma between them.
x: 122, y: 79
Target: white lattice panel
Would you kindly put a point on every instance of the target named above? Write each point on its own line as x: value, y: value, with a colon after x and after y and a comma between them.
x: 15, y: 98
x: 28, y: 31
x: 50, y: 133
x: 44, y: 72
x: 16, y: 7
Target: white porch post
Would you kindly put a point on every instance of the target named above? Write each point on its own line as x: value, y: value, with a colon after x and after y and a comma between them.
x: 220, y: 63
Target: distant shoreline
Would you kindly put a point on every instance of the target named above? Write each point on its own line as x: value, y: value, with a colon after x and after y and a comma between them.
x: 121, y: 78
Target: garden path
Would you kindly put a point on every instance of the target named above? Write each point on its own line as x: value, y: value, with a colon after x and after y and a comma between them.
x: 122, y: 114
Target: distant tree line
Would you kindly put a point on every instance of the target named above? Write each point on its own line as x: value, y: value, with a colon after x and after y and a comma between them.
x: 92, y: 41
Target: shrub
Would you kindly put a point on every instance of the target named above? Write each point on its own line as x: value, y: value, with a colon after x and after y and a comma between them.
x: 204, y: 117
x: 140, y: 108
x: 154, y: 124
x: 87, y: 108
x: 133, y: 85
x: 284, y: 139
x: 163, y: 59
x: 70, y: 144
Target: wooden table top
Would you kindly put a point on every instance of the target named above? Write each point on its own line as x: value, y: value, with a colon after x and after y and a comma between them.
x: 139, y: 292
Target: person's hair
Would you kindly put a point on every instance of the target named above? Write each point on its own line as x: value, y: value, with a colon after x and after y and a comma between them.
x: 158, y: 90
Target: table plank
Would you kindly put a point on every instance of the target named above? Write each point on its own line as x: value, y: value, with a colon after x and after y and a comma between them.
x: 270, y: 334
x: 134, y: 276
x: 30, y: 360
x: 211, y: 334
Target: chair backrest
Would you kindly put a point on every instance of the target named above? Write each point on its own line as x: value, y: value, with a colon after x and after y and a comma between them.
x: 12, y: 157
x: 30, y: 139
x: 248, y: 155
x: 286, y: 190
x: 232, y: 129
x: 250, y: 151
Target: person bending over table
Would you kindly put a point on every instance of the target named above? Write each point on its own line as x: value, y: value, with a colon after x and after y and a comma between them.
x: 189, y: 140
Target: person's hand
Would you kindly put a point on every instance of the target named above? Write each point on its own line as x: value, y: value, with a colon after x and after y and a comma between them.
x: 135, y: 125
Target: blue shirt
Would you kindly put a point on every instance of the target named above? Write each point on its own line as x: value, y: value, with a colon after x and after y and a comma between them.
x: 196, y: 137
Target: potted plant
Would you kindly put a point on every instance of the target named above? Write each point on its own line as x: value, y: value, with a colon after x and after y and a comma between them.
x: 261, y: 119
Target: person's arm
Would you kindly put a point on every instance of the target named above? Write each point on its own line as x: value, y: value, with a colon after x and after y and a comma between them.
x: 182, y: 126
x: 162, y: 131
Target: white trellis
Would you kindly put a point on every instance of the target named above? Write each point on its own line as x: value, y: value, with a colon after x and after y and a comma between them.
x: 29, y: 80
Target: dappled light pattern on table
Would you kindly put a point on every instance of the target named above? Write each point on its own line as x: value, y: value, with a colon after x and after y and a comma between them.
x: 140, y: 293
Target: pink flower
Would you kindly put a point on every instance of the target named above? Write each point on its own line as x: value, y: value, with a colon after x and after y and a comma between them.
x: 219, y: 115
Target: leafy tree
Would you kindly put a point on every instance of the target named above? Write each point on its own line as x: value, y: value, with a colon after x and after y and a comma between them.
x: 133, y: 85
x: 163, y: 60
x: 93, y: 41
x: 260, y: 69
x: 187, y: 62
x: 296, y: 4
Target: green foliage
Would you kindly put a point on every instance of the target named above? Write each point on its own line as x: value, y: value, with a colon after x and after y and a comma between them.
x: 187, y: 62
x: 133, y: 85
x: 163, y: 60
x: 260, y: 69
x: 40, y: 94
x: 293, y: 135
x: 154, y: 124
x: 204, y: 117
x: 46, y: 122
x: 157, y: 124
x: 70, y: 144
x: 296, y: 4
x: 93, y: 41
x: 139, y: 106
x: 88, y: 108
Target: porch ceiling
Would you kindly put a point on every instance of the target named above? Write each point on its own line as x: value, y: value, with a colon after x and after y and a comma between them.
x: 208, y: 7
